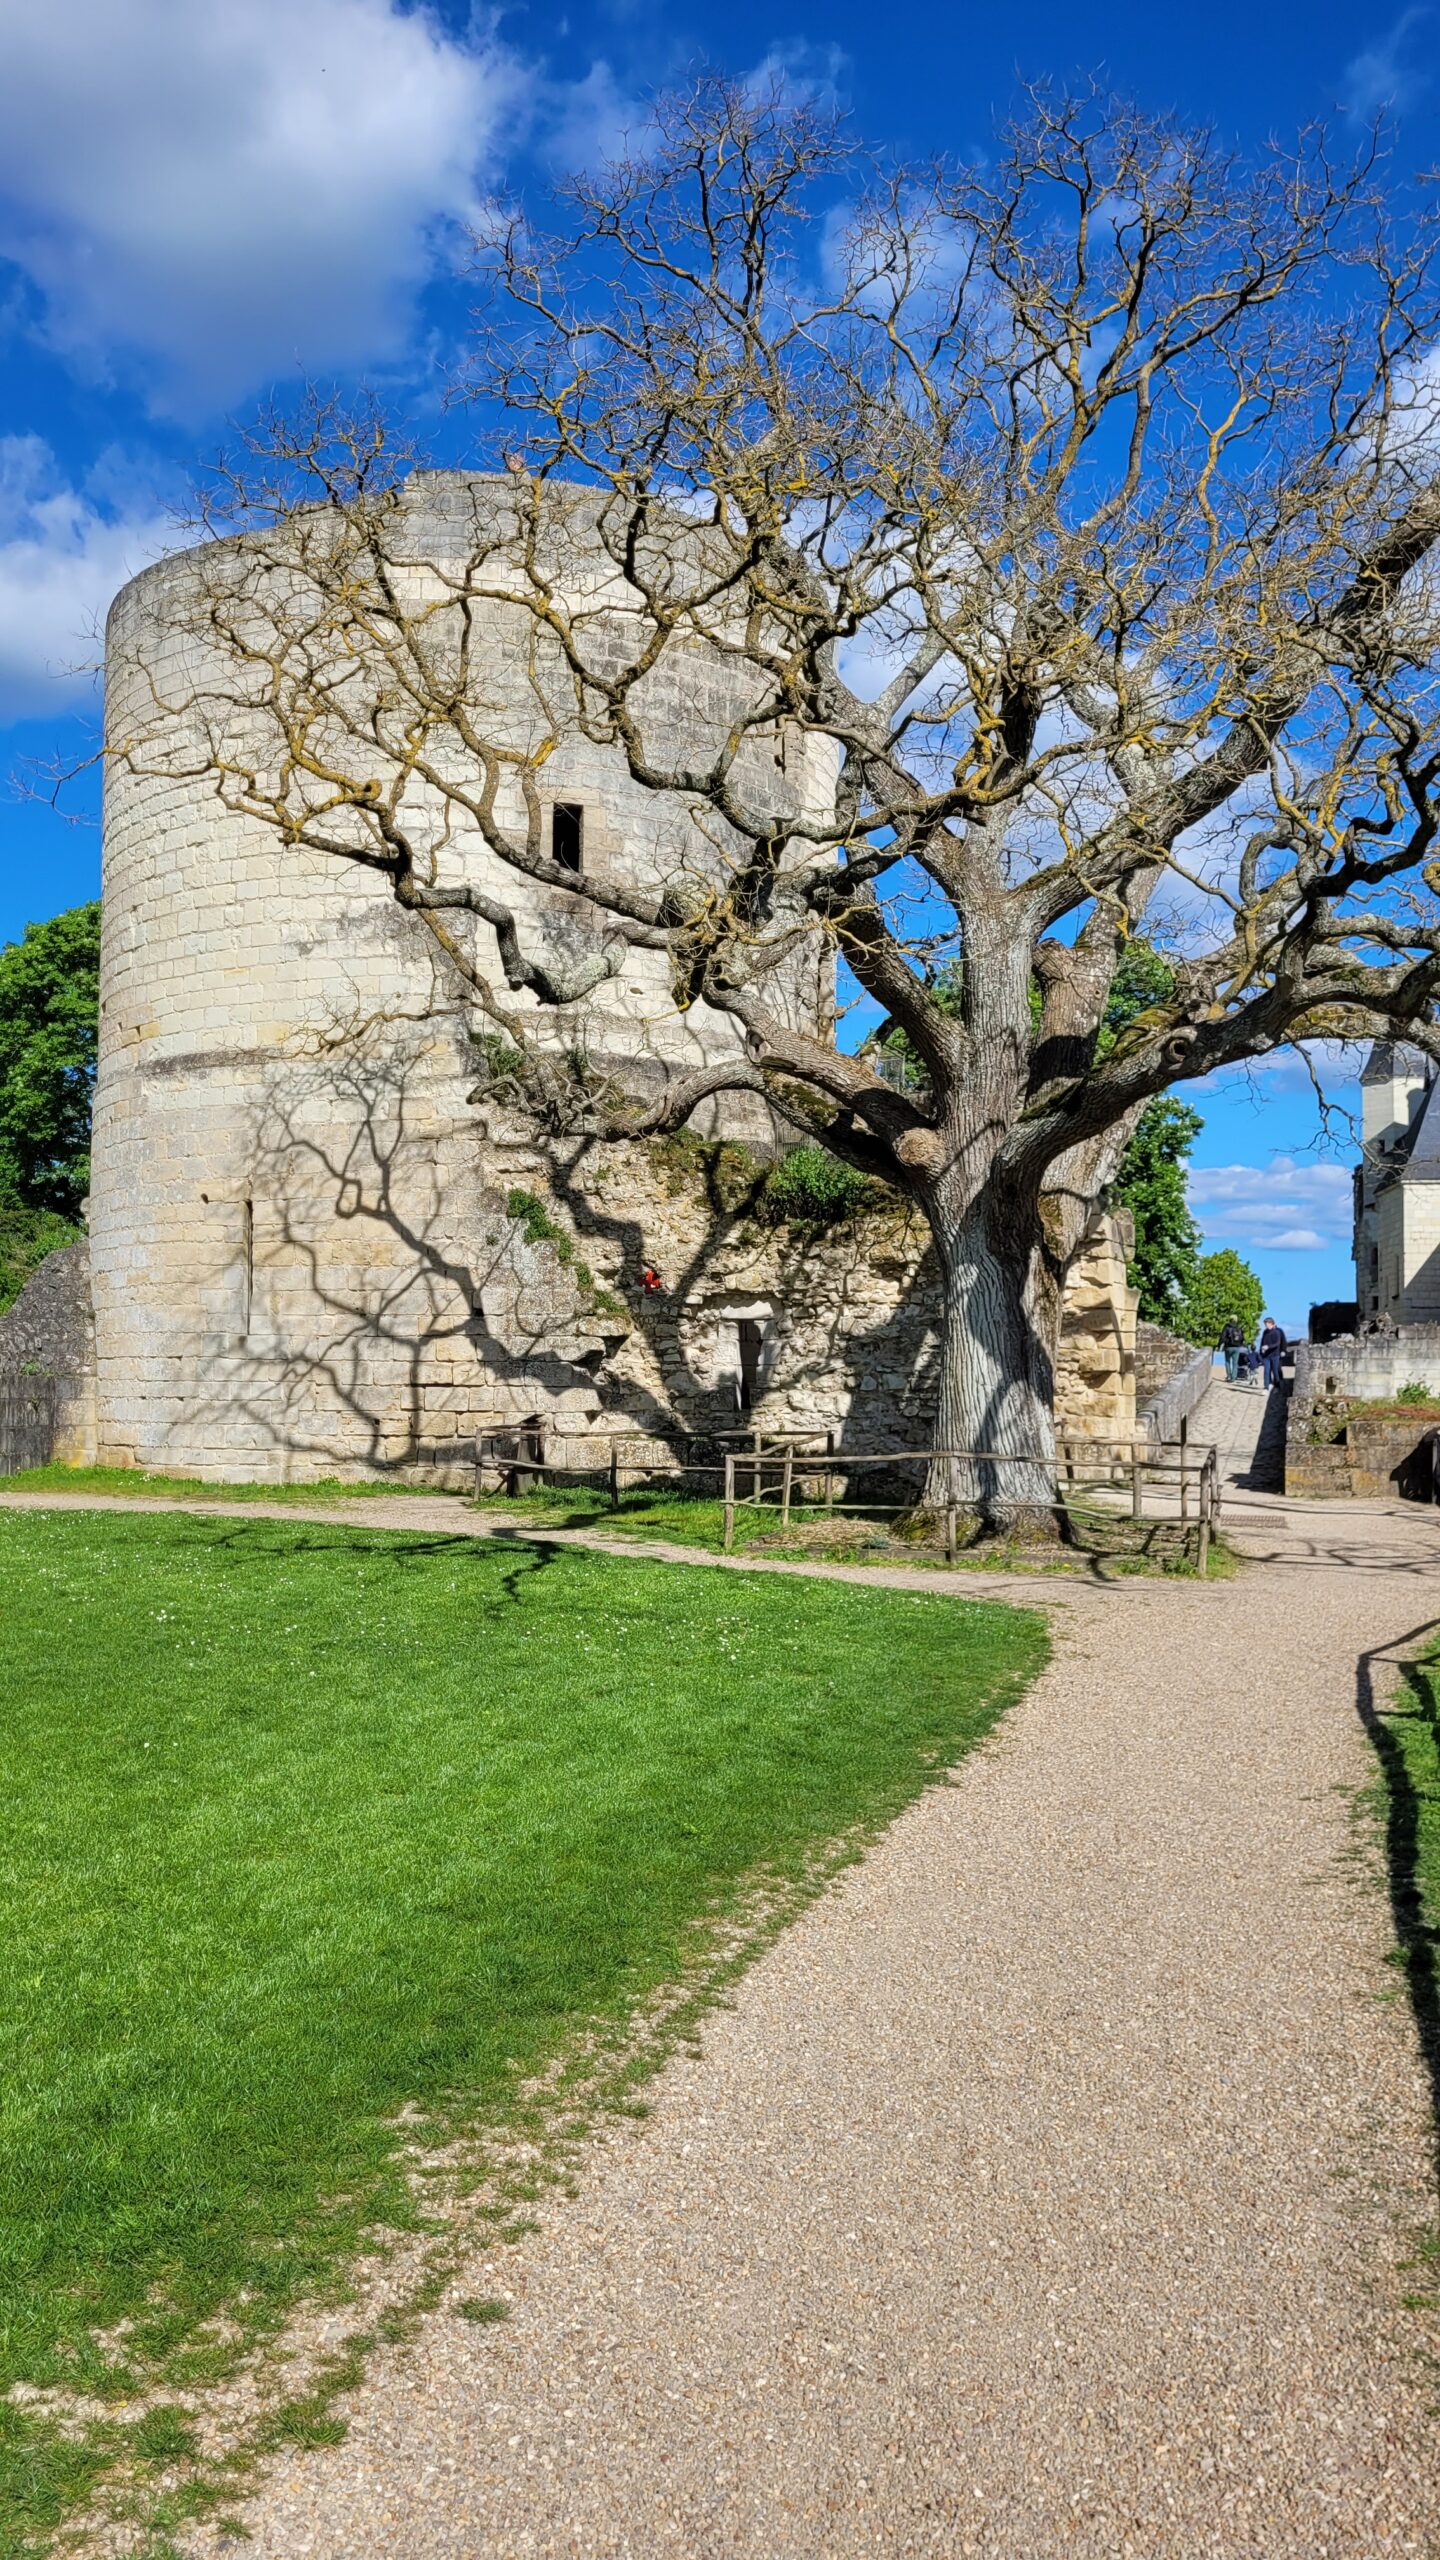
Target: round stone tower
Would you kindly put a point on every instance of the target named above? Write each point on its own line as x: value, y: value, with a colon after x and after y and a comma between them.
x: 296, y: 1246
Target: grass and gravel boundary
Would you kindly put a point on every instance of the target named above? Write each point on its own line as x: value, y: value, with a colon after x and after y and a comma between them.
x: 1404, y: 1732
x: 1112, y: 1551
x: 353, y: 1874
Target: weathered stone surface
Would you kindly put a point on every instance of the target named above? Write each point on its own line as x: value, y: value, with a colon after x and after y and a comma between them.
x: 47, y: 1366
x: 1333, y: 1446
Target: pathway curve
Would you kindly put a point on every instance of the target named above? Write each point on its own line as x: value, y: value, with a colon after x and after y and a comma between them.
x: 1046, y: 2189
x: 1244, y: 1425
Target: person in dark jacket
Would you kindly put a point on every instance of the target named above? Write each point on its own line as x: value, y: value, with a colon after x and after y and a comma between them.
x: 1231, y: 1343
x: 1273, y: 1347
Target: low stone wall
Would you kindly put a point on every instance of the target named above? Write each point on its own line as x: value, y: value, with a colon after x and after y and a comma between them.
x: 47, y: 1367
x: 1377, y: 1457
x: 1175, y: 1401
x: 1367, y: 1368
x: 1364, y: 1455
x: 1159, y: 1357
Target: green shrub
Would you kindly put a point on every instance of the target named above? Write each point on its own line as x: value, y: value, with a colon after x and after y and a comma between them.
x: 539, y: 1226
x: 729, y: 1175
x: 811, y: 1188
x: 502, y: 1060
x: 1415, y: 1391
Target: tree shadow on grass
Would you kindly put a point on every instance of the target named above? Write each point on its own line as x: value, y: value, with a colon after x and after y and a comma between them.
x: 509, y: 1561
x: 1417, y: 1701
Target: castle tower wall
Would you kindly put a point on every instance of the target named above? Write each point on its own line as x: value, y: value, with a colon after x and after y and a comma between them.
x: 313, y: 1251
x: 297, y: 1264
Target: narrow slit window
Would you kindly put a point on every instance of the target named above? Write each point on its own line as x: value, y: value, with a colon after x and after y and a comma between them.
x: 567, y: 835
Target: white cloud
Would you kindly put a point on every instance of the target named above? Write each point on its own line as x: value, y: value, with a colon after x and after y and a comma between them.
x: 1283, y: 1206
x: 1373, y: 80
x: 237, y: 190
x: 63, y: 554
x: 593, y: 120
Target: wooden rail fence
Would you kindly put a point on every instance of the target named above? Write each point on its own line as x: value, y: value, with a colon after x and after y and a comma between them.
x: 1096, y: 1478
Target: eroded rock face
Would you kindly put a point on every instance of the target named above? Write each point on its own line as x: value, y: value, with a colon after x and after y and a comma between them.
x: 47, y: 1366
x: 1095, y: 1387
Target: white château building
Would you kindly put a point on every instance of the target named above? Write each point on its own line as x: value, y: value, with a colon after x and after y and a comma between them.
x: 1397, y: 1189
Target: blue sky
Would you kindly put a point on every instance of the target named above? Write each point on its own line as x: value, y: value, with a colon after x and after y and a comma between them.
x: 200, y: 204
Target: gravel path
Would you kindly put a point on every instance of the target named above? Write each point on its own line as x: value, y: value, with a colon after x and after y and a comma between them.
x: 1046, y: 2189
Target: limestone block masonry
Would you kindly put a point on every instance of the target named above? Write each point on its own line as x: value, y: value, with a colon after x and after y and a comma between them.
x: 1377, y: 1453
x: 306, y: 1253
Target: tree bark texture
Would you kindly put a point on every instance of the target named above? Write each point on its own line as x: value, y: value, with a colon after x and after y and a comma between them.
x: 997, y: 1368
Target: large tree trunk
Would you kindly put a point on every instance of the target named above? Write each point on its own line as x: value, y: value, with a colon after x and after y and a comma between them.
x: 997, y: 1365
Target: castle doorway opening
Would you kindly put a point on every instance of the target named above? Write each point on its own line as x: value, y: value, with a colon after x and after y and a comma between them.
x: 752, y: 1345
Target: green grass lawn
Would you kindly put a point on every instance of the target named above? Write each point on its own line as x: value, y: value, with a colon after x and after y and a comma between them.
x: 1406, y: 1737
x: 307, y: 1823
x: 140, y: 1484
x: 1106, y: 1549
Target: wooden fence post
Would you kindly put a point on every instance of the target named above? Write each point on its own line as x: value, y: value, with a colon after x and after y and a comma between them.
x: 729, y: 1500
x: 614, y: 1475
x: 1137, y: 1485
x: 1207, y: 1495
x: 829, y: 1472
x: 787, y: 1477
x: 950, y: 1533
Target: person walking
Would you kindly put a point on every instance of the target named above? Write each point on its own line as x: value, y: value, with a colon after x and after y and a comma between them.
x: 1273, y: 1348
x: 1230, y: 1343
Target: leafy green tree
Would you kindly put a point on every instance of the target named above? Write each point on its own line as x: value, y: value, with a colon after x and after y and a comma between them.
x: 49, y: 1018
x: 1143, y: 976
x: 1195, y: 1294
x: 1223, y: 1286
x: 1151, y: 1185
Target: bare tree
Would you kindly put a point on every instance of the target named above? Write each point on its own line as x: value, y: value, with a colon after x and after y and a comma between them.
x: 1072, y: 512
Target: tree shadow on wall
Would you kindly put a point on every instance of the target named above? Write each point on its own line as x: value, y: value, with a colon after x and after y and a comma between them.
x: 396, y: 1307
x: 826, y: 1345
x: 392, y: 1290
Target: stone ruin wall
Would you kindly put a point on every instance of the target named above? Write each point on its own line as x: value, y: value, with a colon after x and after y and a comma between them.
x: 511, y: 1294
x: 47, y: 1367
x: 1376, y: 1455
x: 432, y: 1283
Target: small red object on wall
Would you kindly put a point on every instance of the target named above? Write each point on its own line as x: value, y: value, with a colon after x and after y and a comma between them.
x: 650, y: 1280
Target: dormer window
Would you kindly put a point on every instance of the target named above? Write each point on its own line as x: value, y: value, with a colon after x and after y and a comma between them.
x: 567, y: 835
